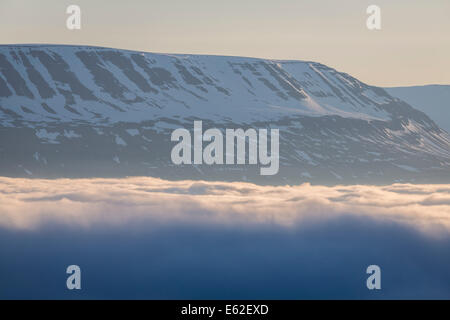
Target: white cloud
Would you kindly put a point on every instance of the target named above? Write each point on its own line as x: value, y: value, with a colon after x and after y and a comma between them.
x: 30, y: 203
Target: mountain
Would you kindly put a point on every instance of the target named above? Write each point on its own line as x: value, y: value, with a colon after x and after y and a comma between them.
x: 80, y: 111
x: 434, y: 100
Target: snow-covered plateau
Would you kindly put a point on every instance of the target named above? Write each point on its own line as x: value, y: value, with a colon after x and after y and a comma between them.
x: 80, y: 111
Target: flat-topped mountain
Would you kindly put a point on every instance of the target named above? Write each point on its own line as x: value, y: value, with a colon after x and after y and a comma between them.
x: 80, y: 111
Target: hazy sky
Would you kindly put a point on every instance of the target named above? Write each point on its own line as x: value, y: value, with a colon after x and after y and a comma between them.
x: 413, y: 46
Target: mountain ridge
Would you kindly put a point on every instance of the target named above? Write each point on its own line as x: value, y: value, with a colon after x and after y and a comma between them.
x: 134, y: 69
x: 432, y: 99
x: 76, y: 111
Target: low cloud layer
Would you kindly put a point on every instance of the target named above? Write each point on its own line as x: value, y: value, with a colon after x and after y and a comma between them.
x: 153, y: 239
x: 30, y: 203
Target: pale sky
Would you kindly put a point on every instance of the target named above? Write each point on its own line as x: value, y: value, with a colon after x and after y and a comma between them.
x: 412, y: 47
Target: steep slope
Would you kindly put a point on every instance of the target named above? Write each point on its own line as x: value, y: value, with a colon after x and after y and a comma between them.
x: 433, y: 100
x: 77, y: 111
